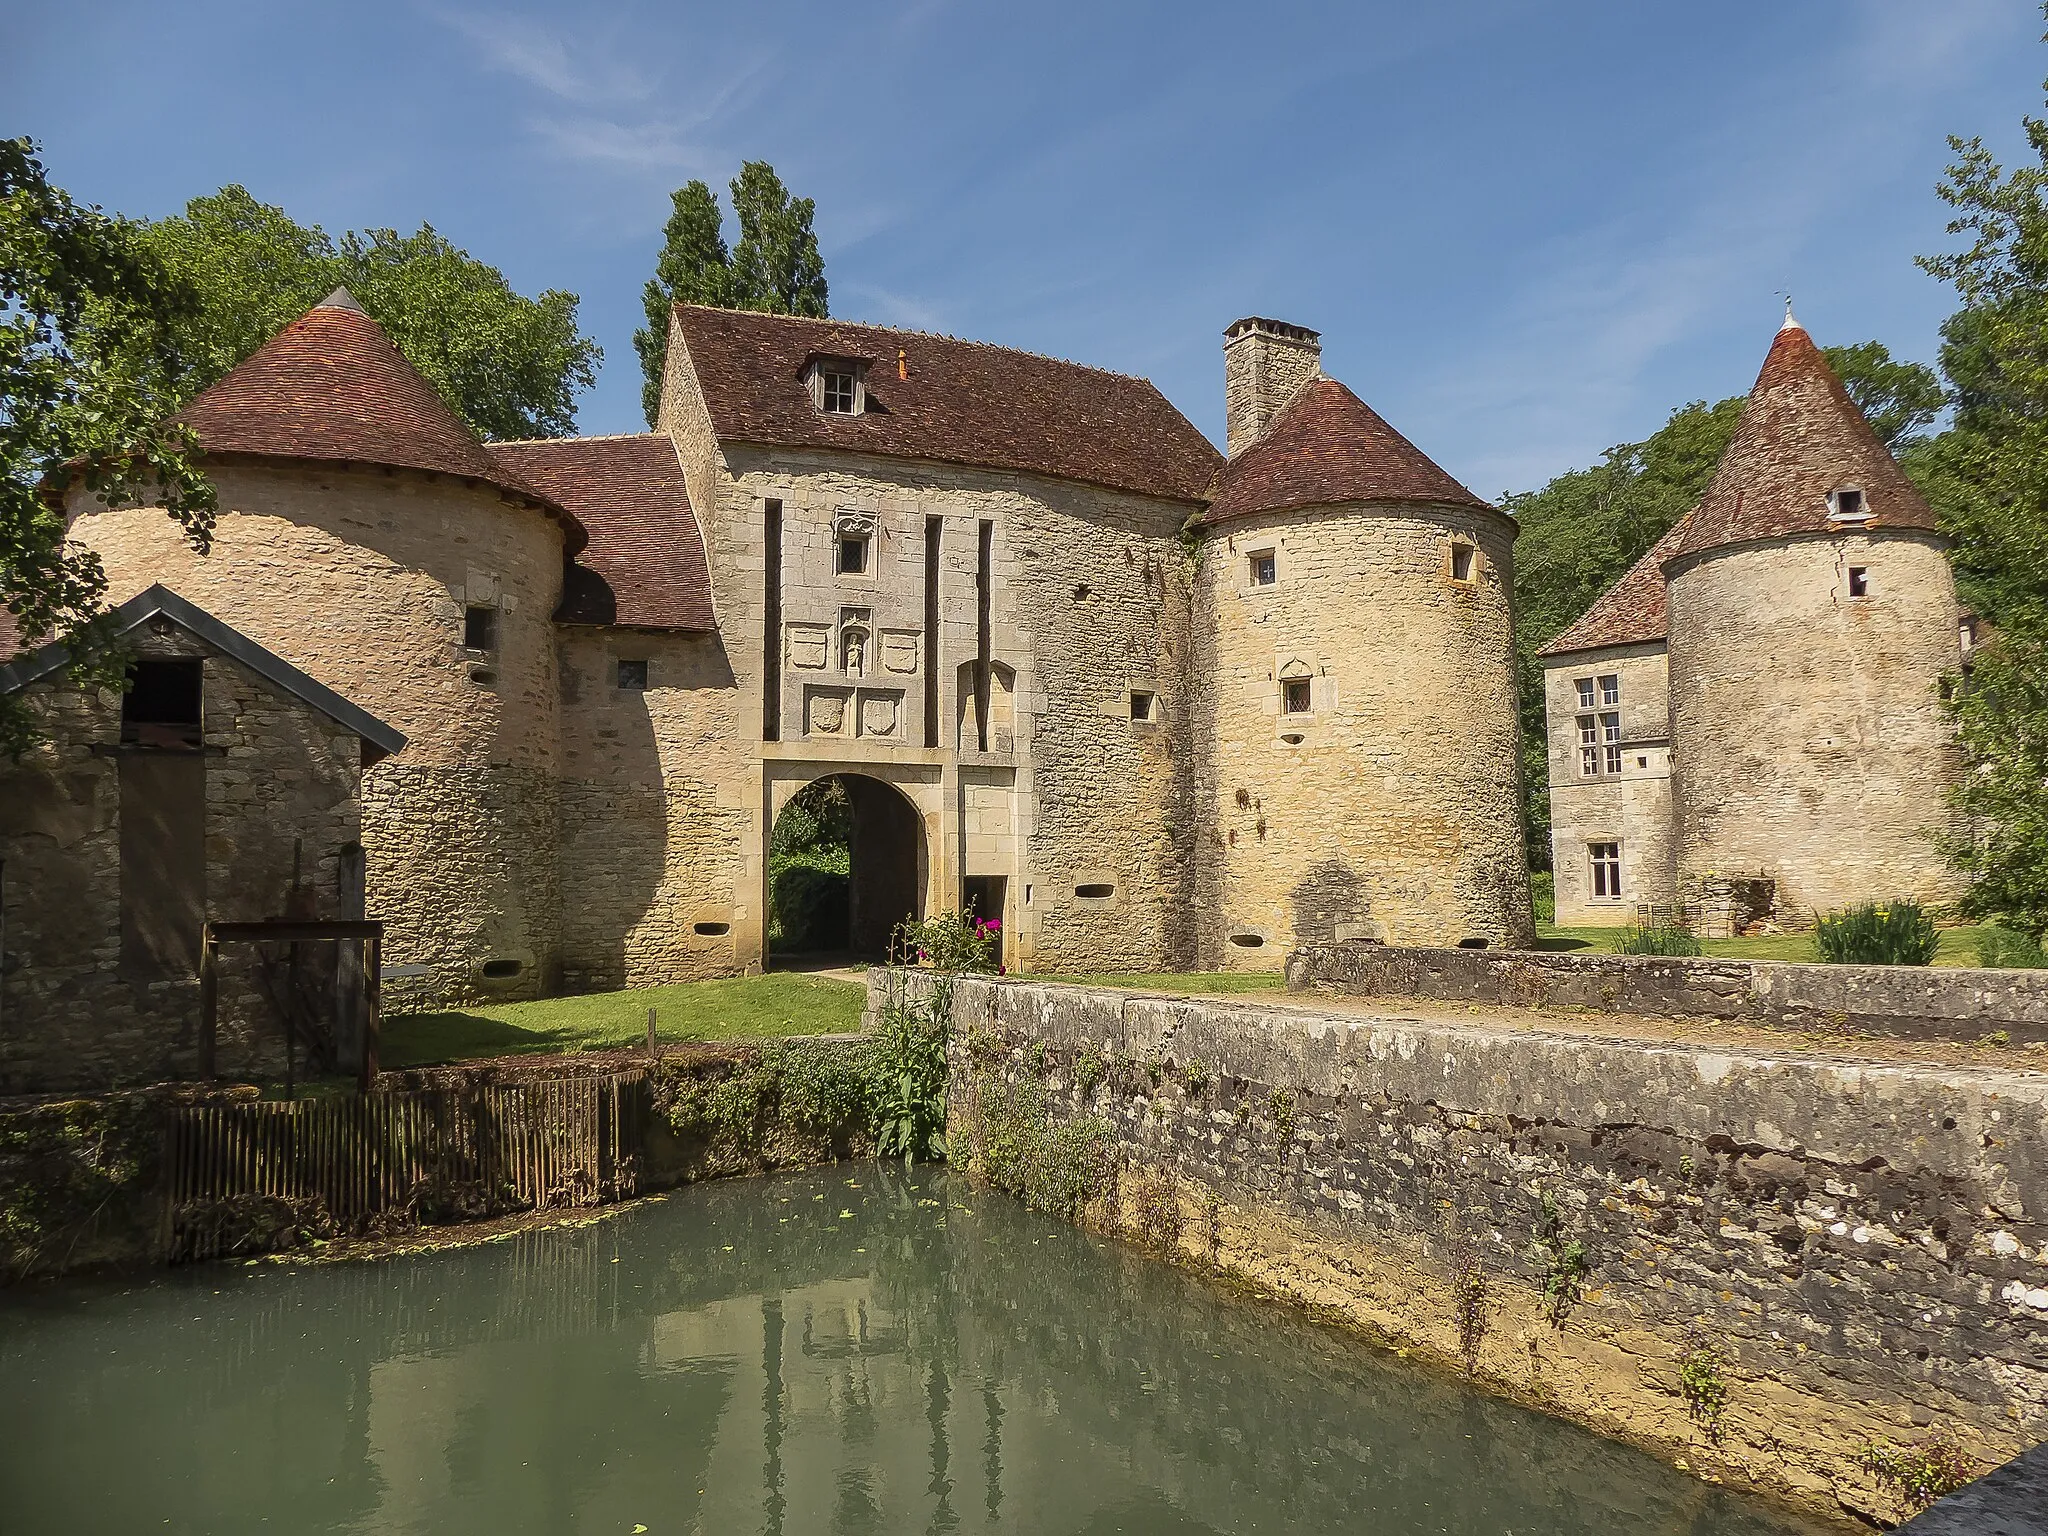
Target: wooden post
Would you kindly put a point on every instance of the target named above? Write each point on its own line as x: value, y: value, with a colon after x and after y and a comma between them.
x: 373, y: 983
x: 209, y: 997
x: 650, y: 1031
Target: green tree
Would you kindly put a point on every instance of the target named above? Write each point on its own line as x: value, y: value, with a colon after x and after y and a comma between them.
x: 694, y: 268
x: 1989, y: 478
x: 508, y: 365
x: 80, y: 402
x: 775, y: 267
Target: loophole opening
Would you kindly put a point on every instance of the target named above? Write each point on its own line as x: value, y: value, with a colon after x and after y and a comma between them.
x: 1095, y: 892
x: 502, y: 970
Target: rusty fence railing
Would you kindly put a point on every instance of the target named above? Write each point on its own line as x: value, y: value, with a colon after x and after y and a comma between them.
x: 235, y: 1172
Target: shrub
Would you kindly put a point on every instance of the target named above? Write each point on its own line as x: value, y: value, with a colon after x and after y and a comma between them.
x: 951, y: 941
x: 808, y: 907
x: 1543, y: 895
x: 1919, y: 1473
x: 1897, y: 933
x: 2003, y: 949
x: 1657, y: 940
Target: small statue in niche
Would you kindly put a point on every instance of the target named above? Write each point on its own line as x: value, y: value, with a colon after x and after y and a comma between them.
x: 854, y: 646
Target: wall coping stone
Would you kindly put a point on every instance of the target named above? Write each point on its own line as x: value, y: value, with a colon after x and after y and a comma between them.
x: 1907, y: 1002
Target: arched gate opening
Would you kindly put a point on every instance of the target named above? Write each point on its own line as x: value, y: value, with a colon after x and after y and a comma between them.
x: 846, y: 865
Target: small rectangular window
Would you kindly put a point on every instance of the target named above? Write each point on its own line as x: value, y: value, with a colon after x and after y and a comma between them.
x: 480, y: 627
x: 1848, y: 504
x: 838, y: 392
x: 1461, y: 562
x: 1294, y: 696
x: 1141, y: 704
x: 1859, y: 581
x: 1605, y: 859
x: 1265, y: 570
x: 853, y: 556
x: 1585, y: 687
x: 633, y: 676
x: 161, y: 706
x: 1610, y: 736
x: 1610, y: 688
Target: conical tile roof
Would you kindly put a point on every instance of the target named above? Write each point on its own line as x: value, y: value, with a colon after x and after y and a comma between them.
x: 1800, y: 438
x: 331, y: 387
x: 1328, y: 446
x: 1632, y: 611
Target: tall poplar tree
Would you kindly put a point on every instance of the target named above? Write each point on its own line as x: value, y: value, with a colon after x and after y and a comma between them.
x: 776, y: 267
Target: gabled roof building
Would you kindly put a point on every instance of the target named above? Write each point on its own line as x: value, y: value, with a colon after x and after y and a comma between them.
x: 1748, y: 726
x: 1147, y: 704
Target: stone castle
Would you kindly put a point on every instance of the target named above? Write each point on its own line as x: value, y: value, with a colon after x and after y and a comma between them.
x: 1153, y: 706
x: 1748, y: 726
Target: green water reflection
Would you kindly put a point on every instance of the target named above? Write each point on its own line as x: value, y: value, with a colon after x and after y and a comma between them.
x: 833, y: 1352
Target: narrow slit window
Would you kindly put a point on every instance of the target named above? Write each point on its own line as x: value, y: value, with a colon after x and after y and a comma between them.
x: 1605, y: 859
x: 633, y: 676
x: 1461, y: 562
x: 1265, y: 569
x: 1859, y: 581
x: 480, y: 627
x: 1295, y: 696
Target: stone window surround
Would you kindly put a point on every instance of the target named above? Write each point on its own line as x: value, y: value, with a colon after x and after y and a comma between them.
x: 849, y: 524
x: 1461, y: 562
x: 1601, y: 748
x: 1262, y: 567
x: 1613, y: 866
x: 1849, y: 504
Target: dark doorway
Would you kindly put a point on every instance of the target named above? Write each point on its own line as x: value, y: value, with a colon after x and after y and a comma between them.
x: 846, y: 866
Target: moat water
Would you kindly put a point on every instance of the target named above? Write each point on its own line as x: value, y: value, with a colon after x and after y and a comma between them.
x: 853, y: 1350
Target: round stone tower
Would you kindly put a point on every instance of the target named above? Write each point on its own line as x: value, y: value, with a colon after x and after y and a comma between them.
x: 1354, y: 647
x: 1812, y: 619
x: 367, y: 536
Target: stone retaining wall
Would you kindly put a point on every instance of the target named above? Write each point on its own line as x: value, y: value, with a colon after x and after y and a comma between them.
x: 1916, y: 1002
x: 1860, y: 1250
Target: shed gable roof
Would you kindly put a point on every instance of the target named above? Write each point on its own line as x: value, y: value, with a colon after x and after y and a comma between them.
x: 935, y: 397
x: 644, y: 566
x: 1632, y: 611
x: 1326, y: 447
x: 161, y: 601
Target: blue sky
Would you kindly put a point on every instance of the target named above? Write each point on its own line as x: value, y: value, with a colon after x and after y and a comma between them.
x: 1526, y: 231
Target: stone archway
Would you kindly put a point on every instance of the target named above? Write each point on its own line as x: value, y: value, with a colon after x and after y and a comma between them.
x: 886, y: 865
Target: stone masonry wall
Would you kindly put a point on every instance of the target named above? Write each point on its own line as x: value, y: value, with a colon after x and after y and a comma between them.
x: 1083, y: 610
x: 1905, y: 1001
x: 1632, y: 808
x: 1390, y: 809
x: 1860, y: 1249
x: 276, y: 773
x: 1807, y: 726
x: 360, y: 577
x: 654, y: 785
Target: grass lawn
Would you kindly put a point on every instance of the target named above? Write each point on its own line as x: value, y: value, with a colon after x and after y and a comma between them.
x: 740, y: 1008
x: 1958, y: 945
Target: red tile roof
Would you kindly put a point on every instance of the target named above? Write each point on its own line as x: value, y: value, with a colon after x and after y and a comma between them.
x: 1799, y: 438
x: 1328, y: 446
x: 644, y: 566
x: 1631, y: 612
x: 331, y: 386
x: 933, y: 397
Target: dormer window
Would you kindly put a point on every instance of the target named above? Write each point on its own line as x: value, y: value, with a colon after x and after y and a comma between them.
x: 1848, y: 506
x: 838, y: 385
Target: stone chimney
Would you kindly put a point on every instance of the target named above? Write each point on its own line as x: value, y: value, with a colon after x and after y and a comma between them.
x: 1264, y: 363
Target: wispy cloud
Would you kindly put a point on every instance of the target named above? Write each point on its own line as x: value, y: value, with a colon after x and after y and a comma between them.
x: 884, y: 307
x: 594, y: 72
